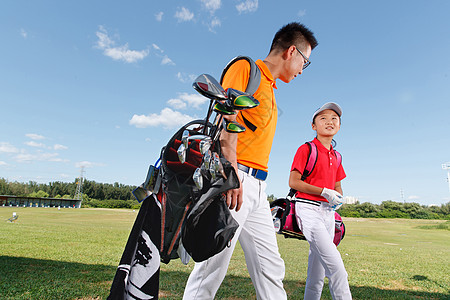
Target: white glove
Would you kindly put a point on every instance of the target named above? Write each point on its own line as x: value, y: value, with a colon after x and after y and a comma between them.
x: 334, y: 198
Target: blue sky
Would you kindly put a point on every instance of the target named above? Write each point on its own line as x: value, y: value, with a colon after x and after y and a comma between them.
x: 105, y: 84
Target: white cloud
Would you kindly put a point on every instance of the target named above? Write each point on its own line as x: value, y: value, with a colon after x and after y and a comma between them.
x: 2, y: 163
x: 27, y: 157
x: 183, y: 77
x: 156, y: 47
x: 167, y: 118
x: 247, y: 6
x: 413, y: 197
x: 23, y: 33
x: 183, y: 15
x: 301, y: 13
x: 177, y: 104
x: 125, y: 54
x: 34, y: 136
x: 215, y: 23
x: 88, y: 164
x: 212, y: 5
x: 193, y: 100
x: 103, y: 39
x: 159, y: 16
x: 35, y: 144
x: 122, y: 53
x: 7, y: 148
x: 60, y: 147
x: 167, y: 61
x: 186, y: 100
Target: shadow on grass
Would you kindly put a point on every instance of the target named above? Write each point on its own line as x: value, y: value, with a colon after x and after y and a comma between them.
x: 29, y: 278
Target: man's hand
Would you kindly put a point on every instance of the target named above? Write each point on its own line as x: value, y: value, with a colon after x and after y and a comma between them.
x: 334, y: 198
x: 234, y: 198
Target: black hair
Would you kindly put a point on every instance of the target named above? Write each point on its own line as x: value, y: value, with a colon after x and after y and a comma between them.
x: 295, y: 34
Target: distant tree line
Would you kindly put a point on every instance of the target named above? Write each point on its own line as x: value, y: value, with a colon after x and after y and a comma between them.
x: 95, y: 194
x: 391, y: 209
x: 117, y: 195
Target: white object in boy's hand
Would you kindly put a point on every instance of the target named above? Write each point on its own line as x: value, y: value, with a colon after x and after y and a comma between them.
x: 334, y: 198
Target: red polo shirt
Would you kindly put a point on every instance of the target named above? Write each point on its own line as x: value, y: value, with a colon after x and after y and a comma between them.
x: 326, y: 172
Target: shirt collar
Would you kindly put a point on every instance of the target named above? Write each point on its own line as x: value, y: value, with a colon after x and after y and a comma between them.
x: 322, y: 147
x: 266, y: 72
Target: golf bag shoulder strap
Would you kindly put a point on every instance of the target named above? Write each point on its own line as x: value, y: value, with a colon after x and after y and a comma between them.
x: 311, y: 161
x: 339, y: 157
x: 254, y: 77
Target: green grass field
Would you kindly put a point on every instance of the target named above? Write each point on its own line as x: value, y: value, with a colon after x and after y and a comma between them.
x: 73, y: 254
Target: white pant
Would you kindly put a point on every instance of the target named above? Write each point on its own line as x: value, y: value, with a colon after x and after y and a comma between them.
x: 258, y: 240
x: 317, y: 224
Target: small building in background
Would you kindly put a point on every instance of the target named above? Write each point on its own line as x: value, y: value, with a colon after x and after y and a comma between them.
x: 19, y: 201
x: 350, y: 200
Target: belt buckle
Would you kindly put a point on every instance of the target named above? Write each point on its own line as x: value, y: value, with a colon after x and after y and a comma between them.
x: 259, y: 174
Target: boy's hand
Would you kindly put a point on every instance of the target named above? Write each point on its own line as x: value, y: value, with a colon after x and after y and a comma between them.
x: 334, y: 198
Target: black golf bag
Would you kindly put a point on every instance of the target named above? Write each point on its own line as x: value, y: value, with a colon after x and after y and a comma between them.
x: 184, y: 209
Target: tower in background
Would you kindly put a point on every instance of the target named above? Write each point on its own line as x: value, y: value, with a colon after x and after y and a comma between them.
x: 79, y: 191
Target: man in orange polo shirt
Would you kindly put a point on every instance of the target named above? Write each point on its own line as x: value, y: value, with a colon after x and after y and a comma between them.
x: 249, y: 154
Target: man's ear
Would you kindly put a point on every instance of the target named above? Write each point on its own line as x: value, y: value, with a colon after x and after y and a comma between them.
x: 289, y: 52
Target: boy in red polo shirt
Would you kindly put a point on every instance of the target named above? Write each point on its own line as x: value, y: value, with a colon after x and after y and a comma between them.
x: 317, y: 197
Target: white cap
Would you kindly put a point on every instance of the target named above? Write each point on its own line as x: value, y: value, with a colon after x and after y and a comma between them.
x: 330, y: 105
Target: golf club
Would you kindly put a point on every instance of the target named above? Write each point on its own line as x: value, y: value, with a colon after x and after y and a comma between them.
x: 184, y: 138
x: 233, y: 127
x: 240, y: 100
x: 218, y: 165
x: 207, y: 86
x: 182, y: 153
x: 198, y: 178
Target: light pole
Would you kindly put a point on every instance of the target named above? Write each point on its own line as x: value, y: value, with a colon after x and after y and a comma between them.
x: 446, y: 166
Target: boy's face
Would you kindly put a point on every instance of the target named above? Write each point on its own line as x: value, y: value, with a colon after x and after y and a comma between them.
x: 294, y: 63
x: 327, y: 123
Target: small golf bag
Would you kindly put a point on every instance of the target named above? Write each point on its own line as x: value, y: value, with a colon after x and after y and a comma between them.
x: 285, y: 222
x: 339, y: 231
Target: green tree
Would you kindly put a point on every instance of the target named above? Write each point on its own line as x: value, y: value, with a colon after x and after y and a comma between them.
x: 39, y: 194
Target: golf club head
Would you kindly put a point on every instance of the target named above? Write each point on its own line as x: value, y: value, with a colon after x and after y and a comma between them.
x: 218, y: 166
x: 207, y: 86
x: 223, y: 109
x: 206, y: 160
x: 212, y: 170
x: 200, y: 137
x: 198, y: 178
x: 205, y: 145
x: 240, y: 100
x: 182, y: 153
x: 233, y: 127
x: 184, y: 138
